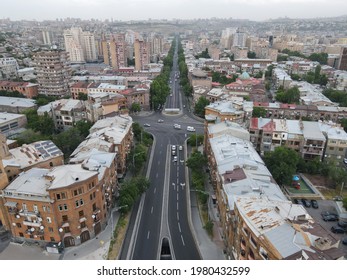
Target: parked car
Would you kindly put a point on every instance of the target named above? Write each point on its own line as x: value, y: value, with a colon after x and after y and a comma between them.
x: 306, y: 203
x: 326, y: 213
x: 330, y: 218
x: 160, y: 121
x: 342, y: 224
x: 337, y: 229
x: 177, y: 126
x: 147, y: 125
x: 190, y: 128
x: 314, y: 204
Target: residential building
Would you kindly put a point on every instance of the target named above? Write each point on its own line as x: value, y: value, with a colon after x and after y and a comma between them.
x: 65, y: 112
x: 66, y: 203
x: 8, y: 68
x: 41, y: 154
x: 142, y: 54
x: 80, y: 45
x: 29, y: 90
x: 139, y: 94
x: 343, y: 59
x: 200, y: 78
x: 303, y: 136
x: 53, y: 72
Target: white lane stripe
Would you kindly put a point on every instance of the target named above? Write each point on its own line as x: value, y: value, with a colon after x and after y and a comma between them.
x: 152, y: 210
x: 155, y: 190
x: 179, y: 227
x: 148, y: 234
x: 183, y: 241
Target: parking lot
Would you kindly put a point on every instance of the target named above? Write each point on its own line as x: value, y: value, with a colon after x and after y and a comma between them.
x: 327, y: 205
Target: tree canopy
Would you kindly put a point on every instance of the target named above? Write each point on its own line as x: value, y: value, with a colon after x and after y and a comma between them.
x: 258, y: 112
x: 291, y: 95
x: 200, y: 105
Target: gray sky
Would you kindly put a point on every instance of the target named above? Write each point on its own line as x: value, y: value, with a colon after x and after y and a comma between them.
x: 168, y: 9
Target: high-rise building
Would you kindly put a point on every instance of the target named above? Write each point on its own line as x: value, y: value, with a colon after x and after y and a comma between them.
x: 343, y: 59
x: 81, y: 45
x: 115, y: 51
x: 142, y: 54
x: 53, y: 72
x: 239, y: 39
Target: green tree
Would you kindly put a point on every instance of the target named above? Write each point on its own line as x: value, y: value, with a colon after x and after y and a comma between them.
x: 29, y: 136
x: 195, y: 139
x: 251, y: 54
x: 196, y: 161
x: 67, y: 141
x: 82, y: 96
x: 282, y: 164
x: 322, y: 58
x: 200, y: 105
x: 291, y: 95
x: 83, y: 127
x: 259, y: 112
x: 135, y: 107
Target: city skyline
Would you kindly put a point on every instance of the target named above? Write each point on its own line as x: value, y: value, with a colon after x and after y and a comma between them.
x: 169, y: 9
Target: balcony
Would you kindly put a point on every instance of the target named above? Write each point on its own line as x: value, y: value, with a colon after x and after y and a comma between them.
x: 26, y: 213
x: 32, y: 223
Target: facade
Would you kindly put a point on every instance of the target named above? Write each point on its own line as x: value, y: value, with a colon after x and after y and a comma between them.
x: 12, y: 124
x: 53, y: 72
x: 138, y: 94
x: 343, y: 59
x: 29, y: 90
x: 64, y: 112
x: 303, y: 136
x: 67, y: 203
x: 80, y: 45
x: 142, y: 54
x: 8, y: 68
x: 200, y: 78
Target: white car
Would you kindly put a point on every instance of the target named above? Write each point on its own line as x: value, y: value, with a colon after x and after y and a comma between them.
x: 180, y: 148
x: 160, y: 121
x: 175, y: 159
x: 147, y: 125
x: 177, y: 126
x: 173, y: 147
x: 190, y: 128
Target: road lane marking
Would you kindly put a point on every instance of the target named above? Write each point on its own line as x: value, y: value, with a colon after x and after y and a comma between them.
x: 155, y: 190
x: 183, y: 241
x: 177, y: 205
x: 156, y: 176
x: 152, y: 210
x: 148, y: 234
x: 177, y: 196
x: 179, y: 227
x: 178, y: 217
x: 158, y: 162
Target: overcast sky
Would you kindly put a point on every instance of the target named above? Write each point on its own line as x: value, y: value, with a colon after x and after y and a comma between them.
x: 169, y: 9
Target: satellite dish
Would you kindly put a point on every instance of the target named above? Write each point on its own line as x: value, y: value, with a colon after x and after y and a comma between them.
x: 32, y: 229
x: 42, y: 227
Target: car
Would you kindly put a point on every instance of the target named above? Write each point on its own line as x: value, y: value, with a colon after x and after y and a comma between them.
x: 344, y: 240
x: 345, y: 160
x: 173, y: 152
x: 314, y: 204
x: 177, y: 126
x: 190, y: 128
x: 330, y: 218
x: 326, y: 213
x: 180, y: 148
x: 306, y: 203
x: 146, y: 125
x: 175, y: 159
x: 298, y: 201
x: 171, y: 94
x: 160, y: 121
x: 342, y: 224
x: 182, y: 161
x: 173, y: 147
x: 337, y: 229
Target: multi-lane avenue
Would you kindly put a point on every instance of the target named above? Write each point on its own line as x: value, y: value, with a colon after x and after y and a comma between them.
x: 163, y: 210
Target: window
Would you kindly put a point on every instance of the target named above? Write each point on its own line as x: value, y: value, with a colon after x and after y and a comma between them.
x: 58, y: 196
x: 51, y: 164
x: 24, y: 206
x: 81, y: 213
x: 50, y: 229
x: 65, y: 207
x: 44, y: 208
x: 94, y: 206
x: 52, y: 239
x: 21, y: 234
x: 83, y: 224
x: 81, y: 202
x: 18, y: 225
x: 49, y: 220
x: 64, y: 218
x: 60, y: 207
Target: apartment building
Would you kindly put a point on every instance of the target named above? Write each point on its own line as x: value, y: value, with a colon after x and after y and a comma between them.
x: 281, y: 78
x: 41, y: 154
x: 29, y: 90
x: 64, y: 112
x: 117, y: 131
x: 343, y: 59
x: 65, y: 203
x: 53, y: 72
x: 142, y: 54
x: 8, y: 68
x: 257, y: 221
x: 139, y: 94
x: 80, y: 45
x: 198, y: 77
x: 303, y: 136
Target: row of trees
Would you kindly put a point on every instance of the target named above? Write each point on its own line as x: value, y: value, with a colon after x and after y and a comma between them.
x: 322, y: 57
x: 182, y: 66
x: 159, y: 87
x: 336, y: 96
x: 312, y: 77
